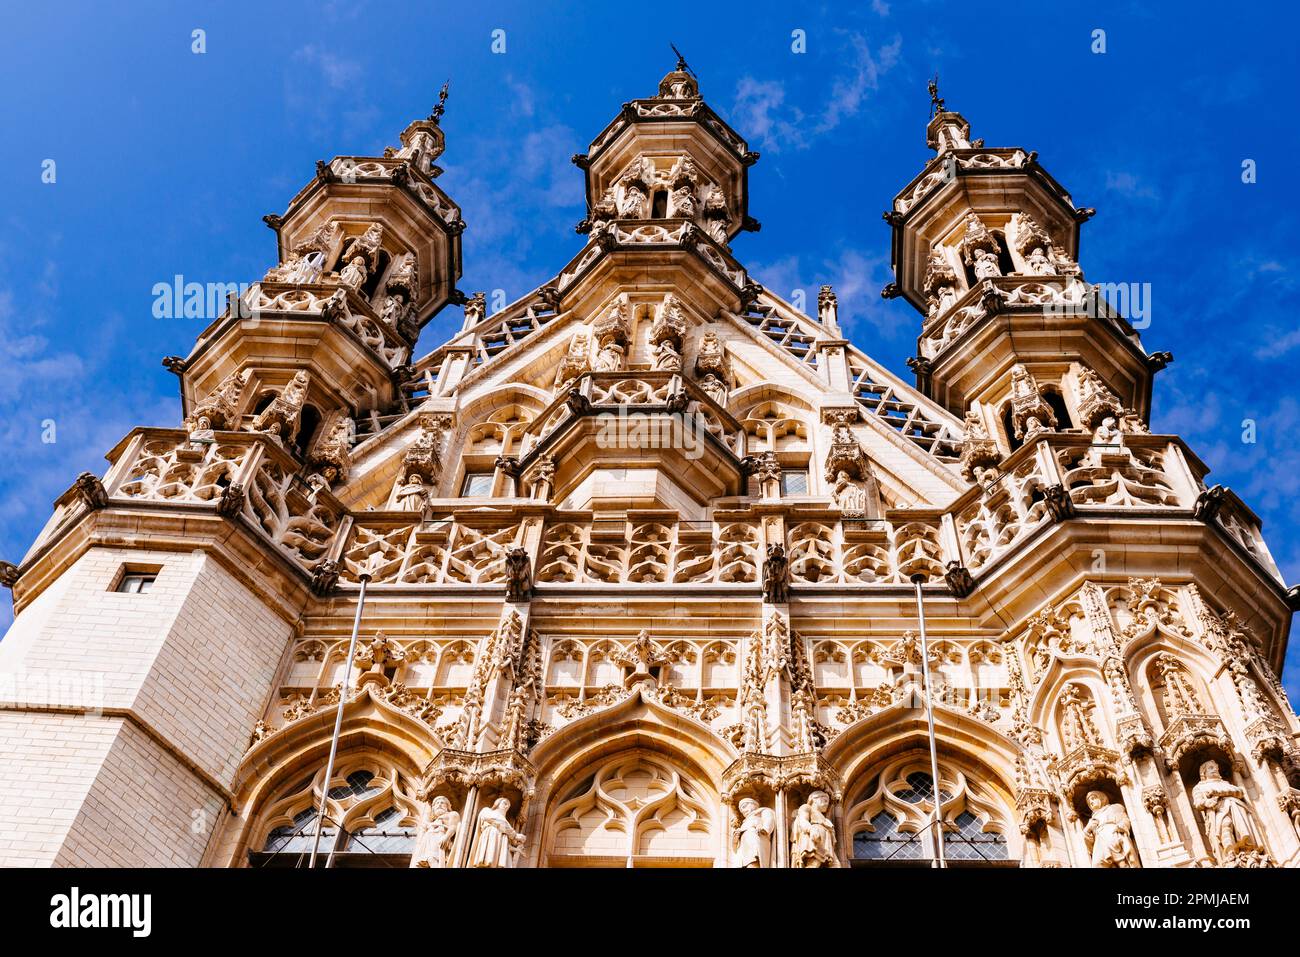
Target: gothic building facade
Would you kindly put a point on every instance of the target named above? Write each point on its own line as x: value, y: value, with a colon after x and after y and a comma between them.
x: 634, y: 560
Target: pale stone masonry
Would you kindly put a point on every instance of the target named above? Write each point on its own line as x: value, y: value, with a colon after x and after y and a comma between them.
x: 640, y: 553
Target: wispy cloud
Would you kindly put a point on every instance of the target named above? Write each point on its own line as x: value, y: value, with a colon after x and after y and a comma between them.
x: 856, y: 277
x: 763, y: 107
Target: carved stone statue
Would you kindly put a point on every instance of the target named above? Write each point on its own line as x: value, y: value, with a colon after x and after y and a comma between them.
x: 610, y: 357
x: 394, y: 311
x: 848, y: 494
x: 410, y: 495
x: 1108, y: 834
x: 715, y: 389
x: 519, y: 574
x: 668, y: 358
x: 683, y: 203
x: 633, y: 205
x: 752, y: 838
x: 495, y: 840
x: 221, y: 407
x: 986, y: 265
x: 1039, y: 263
x: 354, y: 273
x: 1108, y: 433
x: 776, y: 584
x: 438, y: 826
x: 576, y: 361
x: 812, y: 834
x: 365, y: 247
x: 1229, y: 825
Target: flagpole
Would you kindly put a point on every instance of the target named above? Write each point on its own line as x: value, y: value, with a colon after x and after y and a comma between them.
x: 338, y: 718
x: 918, y: 580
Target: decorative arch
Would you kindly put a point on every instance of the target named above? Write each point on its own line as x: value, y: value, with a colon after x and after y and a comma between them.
x: 889, y: 816
x: 977, y: 770
x: 272, y: 768
x: 579, y: 765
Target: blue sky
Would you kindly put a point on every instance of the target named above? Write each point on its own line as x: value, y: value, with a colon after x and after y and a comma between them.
x: 167, y: 160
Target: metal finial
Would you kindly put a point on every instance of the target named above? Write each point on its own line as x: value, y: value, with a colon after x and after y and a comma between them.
x: 936, y: 101
x: 681, y: 61
x: 441, y: 108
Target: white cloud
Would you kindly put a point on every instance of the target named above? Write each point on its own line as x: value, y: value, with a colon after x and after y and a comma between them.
x: 337, y: 72
x: 761, y: 109
x: 856, y: 277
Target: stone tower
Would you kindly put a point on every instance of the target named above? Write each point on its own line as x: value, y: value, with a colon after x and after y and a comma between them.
x: 638, y: 554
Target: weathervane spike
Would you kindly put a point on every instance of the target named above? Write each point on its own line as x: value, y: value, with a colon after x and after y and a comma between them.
x: 681, y: 61
x: 441, y: 108
x: 936, y: 101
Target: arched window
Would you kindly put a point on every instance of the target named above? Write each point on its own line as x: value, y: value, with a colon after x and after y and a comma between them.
x: 369, y: 821
x: 892, y: 822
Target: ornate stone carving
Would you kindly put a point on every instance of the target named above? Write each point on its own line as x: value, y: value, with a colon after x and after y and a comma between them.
x: 1233, y: 837
x: 436, y: 834
x: 1030, y: 412
x: 325, y: 577
x: 776, y: 575
x: 1096, y: 401
x: 332, y: 452
x: 519, y: 574
x: 220, y: 409
x: 1108, y: 833
x: 812, y: 834
x: 495, y: 839
x: 751, y: 839
x: 576, y: 361
x: 280, y: 418
x: 90, y: 491
x: 980, y: 457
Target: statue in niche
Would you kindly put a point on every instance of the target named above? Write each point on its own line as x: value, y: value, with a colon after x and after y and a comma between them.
x: 947, y: 295
x: 495, y: 840
x: 354, y: 273
x: 610, y: 357
x: 683, y: 202
x: 411, y: 494
x: 633, y: 205
x: 437, y: 831
x: 1229, y: 825
x: 776, y: 583
x: 1108, y: 433
x: 812, y: 834
x: 394, y: 311
x: 668, y: 358
x: 1108, y: 834
x: 1039, y: 263
x: 715, y: 389
x: 986, y: 265
x: 849, y: 495
x: 752, y: 838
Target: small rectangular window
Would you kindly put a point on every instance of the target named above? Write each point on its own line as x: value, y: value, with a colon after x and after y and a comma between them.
x: 134, y: 583
x: 476, y: 485
x: 794, y: 481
